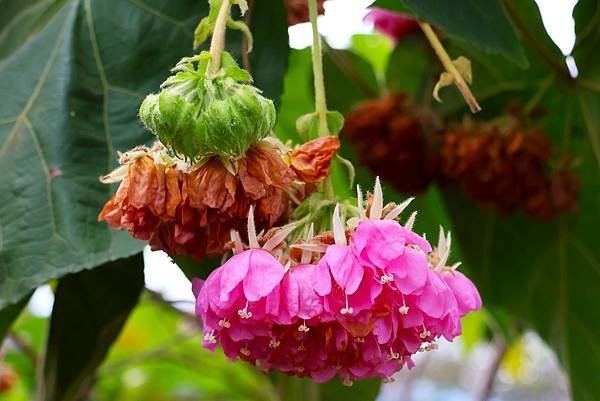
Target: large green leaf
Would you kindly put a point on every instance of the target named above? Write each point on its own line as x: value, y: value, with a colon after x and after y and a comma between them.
x: 546, y: 274
x: 90, y: 308
x: 481, y: 23
x: 72, y: 86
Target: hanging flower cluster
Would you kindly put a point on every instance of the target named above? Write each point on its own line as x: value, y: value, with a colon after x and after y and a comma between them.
x: 507, y: 171
x: 359, y: 302
x: 355, y: 299
x: 502, y: 169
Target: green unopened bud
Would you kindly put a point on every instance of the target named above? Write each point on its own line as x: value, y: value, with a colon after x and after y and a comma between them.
x: 200, y: 116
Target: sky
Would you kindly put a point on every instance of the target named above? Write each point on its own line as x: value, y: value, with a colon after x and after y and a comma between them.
x: 342, y: 19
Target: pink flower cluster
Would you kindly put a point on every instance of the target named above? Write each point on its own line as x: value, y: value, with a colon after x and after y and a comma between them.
x: 371, y: 300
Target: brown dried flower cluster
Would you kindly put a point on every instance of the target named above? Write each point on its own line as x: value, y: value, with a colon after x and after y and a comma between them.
x: 503, y: 170
x: 508, y: 171
x: 182, y: 209
x: 298, y: 10
x: 390, y: 141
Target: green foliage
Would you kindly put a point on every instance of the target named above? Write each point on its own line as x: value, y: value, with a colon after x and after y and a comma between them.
x: 9, y: 314
x: 76, y: 72
x: 90, y: 309
x: 481, y: 23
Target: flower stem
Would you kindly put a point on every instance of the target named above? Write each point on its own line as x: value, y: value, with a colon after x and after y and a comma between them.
x: 317, y: 61
x: 320, y: 98
x: 449, y: 66
x: 217, y: 43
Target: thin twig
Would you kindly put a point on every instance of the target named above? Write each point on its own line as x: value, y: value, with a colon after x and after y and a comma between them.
x: 24, y: 347
x: 450, y: 67
x: 488, y: 384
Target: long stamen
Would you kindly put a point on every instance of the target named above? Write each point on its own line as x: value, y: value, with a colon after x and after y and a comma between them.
x: 224, y: 323
x: 426, y: 333
x: 347, y: 310
x: 210, y: 337
x: 244, y: 313
x: 393, y: 355
x: 303, y: 328
x: 403, y: 309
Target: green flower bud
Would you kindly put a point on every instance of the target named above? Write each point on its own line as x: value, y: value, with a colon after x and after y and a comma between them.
x: 200, y: 116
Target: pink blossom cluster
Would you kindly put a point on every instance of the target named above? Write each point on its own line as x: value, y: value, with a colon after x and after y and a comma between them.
x: 362, y: 309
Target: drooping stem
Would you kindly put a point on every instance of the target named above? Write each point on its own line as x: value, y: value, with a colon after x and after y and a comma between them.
x: 317, y: 61
x: 217, y: 43
x: 459, y: 81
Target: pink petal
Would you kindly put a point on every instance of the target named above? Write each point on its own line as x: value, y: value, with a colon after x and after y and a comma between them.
x: 233, y: 272
x: 378, y: 242
x: 344, y: 267
x: 464, y: 291
x: 410, y: 271
x: 321, y: 279
x: 264, y: 273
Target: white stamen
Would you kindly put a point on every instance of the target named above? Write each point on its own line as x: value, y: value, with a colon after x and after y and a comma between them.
x: 278, y: 238
x: 347, y: 310
x: 393, y: 355
x: 252, y: 239
x: 377, y: 205
x: 339, y: 233
x: 388, y: 380
x: 245, y: 351
x: 224, y: 323
x: 210, y: 337
x: 361, y: 210
x: 426, y: 333
x: 403, y: 309
x: 274, y: 343
x: 395, y: 212
x: 359, y: 340
x: 347, y: 382
x: 303, y: 328
x: 386, y: 278
x: 411, y: 221
x: 306, y: 254
x: 244, y: 313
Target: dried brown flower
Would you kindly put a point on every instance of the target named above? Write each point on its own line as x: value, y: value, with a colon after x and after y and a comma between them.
x: 389, y: 139
x: 192, y: 212
x: 311, y: 161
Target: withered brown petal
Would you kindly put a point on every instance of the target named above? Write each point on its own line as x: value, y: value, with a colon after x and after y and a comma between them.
x: 312, y: 160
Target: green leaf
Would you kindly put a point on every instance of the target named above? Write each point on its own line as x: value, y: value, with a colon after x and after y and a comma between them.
x: 481, y: 23
x: 546, y: 273
x: 90, y: 309
x: 76, y: 81
x: 349, y: 79
x: 407, y: 68
x: 9, y: 314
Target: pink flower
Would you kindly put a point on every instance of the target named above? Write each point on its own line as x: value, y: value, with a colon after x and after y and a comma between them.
x: 394, y: 25
x: 370, y: 301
